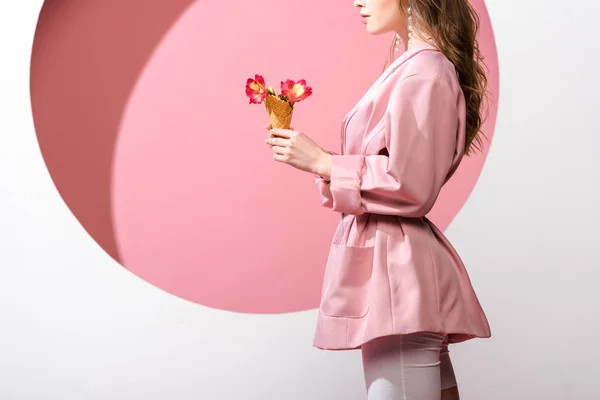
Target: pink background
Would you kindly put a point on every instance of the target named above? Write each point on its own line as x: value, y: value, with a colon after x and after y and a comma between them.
x: 142, y: 120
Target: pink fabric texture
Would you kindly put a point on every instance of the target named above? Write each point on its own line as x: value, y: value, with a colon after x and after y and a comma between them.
x: 390, y: 270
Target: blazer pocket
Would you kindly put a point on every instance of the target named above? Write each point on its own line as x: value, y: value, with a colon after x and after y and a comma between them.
x: 347, y: 280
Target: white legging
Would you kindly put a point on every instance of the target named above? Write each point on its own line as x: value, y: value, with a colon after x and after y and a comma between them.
x: 407, y: 367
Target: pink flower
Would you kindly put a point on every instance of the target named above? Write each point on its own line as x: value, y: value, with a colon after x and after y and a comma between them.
x: 256, y: 89
x: 295, y: 91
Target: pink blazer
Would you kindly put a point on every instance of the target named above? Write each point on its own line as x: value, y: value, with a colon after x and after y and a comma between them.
x: 389, y: 269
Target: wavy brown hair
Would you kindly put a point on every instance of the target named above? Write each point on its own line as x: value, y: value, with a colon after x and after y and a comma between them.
x: 453, y: 25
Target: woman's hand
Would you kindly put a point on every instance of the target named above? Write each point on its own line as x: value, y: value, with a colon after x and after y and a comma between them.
x: 299, y: 151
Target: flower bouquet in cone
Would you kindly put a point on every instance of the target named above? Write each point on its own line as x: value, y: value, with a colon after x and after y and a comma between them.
x: 280, y: 107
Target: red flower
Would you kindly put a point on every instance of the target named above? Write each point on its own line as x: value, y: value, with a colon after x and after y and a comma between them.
x: 295, y: 91
x: 256, y: 89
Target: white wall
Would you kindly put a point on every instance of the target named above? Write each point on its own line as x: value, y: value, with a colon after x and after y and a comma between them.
x: 76, y: 325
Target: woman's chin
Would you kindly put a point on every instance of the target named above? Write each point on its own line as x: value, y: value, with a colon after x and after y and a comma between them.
x: 374, y: 30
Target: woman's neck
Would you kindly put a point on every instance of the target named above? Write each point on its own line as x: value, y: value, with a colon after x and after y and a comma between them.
x: 418, y: 41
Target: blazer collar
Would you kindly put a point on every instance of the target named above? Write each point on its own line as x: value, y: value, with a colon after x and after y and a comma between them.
x: 416, y: 47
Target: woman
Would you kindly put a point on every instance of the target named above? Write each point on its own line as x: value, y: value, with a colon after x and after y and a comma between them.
x: 394, y: 286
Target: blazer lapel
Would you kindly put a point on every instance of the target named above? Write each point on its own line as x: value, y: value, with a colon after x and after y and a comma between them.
x: 407, y: 55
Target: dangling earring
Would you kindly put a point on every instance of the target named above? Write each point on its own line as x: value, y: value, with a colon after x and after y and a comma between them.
x: 398, y: 41
x: 410, y: 27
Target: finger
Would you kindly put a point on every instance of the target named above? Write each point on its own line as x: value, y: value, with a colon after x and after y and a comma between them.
x: 280, y: 157
x: 268, y: 126
x: 280, y: 134
x: 285, y: 133
x: 279, y: 150
x: 278, y: 141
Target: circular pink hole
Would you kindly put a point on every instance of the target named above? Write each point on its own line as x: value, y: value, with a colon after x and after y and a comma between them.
x: 146, y: 131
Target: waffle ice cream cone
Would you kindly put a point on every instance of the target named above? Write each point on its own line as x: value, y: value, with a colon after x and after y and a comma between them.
x: 280, y: 112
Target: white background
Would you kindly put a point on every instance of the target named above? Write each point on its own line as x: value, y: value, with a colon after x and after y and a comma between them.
x: 76, y: 325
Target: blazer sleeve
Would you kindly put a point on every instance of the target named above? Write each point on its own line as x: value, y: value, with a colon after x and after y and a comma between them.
x: 323, y: 187
x: 421, y: 127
